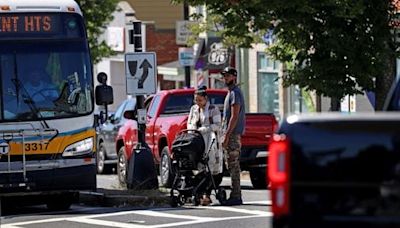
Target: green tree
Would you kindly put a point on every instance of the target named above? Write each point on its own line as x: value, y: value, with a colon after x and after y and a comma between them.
x: 332, y: 47
x: 97, y: 15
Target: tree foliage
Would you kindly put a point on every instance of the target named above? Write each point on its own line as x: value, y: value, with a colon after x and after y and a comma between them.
x: 332, y: 47
x: 97, y: 15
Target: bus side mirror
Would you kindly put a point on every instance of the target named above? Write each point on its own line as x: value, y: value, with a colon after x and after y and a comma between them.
x: 104, y: 93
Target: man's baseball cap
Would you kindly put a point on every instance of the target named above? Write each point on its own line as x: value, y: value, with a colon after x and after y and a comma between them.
x: 229, y: 70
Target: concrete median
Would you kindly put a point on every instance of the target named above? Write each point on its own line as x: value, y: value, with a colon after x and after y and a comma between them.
x: 125, y: 198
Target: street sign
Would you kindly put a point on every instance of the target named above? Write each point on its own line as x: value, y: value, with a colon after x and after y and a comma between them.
x: 183, y: 31
x: 186, y: 57
x: 141, y: 73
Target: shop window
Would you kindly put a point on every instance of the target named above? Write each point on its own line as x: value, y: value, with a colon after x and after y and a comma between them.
x: 268, y: 85
x: 265, y: 62
x: 268, y: 93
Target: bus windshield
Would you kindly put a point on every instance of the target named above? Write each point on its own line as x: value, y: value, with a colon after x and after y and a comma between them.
x: 45, y: 78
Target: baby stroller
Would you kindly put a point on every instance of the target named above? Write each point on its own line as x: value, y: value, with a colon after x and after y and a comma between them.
x: 192, y: 172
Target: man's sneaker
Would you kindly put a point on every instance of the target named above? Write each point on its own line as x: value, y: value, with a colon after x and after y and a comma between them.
x: 233, y: 201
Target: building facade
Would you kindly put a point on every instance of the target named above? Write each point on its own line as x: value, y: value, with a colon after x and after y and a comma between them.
x: 158, y: 35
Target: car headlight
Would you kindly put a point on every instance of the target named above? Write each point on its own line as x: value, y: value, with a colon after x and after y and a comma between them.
x: 79, y: 148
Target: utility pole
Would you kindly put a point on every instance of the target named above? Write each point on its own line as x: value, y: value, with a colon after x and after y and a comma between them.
x: 187, y: 68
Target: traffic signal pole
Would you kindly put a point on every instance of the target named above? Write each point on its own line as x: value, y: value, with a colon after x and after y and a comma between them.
x: 187, y: 68
x: 137, y: 41
x: 141, y: 171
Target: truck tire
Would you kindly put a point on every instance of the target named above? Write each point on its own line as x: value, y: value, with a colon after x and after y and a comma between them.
x: 122, y: 167
x: 258, y: 178
x: 166, y: 174
x: 102, y: 168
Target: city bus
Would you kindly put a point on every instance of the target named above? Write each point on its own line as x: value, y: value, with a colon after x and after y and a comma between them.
x: 47, y: 135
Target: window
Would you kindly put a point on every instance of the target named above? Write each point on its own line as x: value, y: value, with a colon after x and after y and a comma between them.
x: 266, y: 63
x: 131, y: 104
x: 178, y: 104
x: 181, y: 103
x: 120, y: 110
x: 61, y: 85
x: 268, y: 85
x: 153, y: 107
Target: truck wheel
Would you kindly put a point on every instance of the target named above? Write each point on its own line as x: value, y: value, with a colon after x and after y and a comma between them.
x: 166, y: 174
x: 100, y: 160
x: 258, y: 178
x: 122, y: 167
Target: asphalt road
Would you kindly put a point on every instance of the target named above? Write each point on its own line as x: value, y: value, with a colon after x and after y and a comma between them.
x: 255, y: 212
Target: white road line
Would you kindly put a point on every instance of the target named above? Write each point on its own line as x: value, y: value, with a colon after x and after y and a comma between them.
x: 104, y: 223
x: 89, y: 219
x: 168, y: 215
x: 34, y: 222
x: 112, y: 214
x: 9, y: 226
x: 243, y: 211
x: 263, y: 202
x: 204, y: 221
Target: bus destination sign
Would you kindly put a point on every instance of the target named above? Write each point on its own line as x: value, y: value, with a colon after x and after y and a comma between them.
x: 19, y: 24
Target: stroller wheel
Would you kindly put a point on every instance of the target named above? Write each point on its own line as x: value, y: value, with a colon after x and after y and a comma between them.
x: 182, y: 199
x: 221, y: 195
x: 175, y: 198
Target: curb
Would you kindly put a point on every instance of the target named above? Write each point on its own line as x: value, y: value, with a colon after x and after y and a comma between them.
x: 124, y: 198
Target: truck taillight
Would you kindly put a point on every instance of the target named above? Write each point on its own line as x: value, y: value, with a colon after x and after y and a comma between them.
x: 279, y: 174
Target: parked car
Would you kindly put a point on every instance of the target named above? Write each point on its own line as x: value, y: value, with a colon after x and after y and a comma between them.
x: 167, y: 115
x: 106, y: 134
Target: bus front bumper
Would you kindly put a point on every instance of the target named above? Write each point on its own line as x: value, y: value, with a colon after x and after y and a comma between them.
x: 50, y: 175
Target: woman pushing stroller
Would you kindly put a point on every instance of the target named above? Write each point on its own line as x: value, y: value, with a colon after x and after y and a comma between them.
x: 206, y: 118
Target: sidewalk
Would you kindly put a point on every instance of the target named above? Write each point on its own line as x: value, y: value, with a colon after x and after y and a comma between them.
x: 110, y: 194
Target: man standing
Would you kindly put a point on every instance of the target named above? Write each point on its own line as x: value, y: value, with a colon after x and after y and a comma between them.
x: 233, y: 125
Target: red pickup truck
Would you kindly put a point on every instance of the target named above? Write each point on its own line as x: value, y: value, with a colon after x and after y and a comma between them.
x: 167, y: 114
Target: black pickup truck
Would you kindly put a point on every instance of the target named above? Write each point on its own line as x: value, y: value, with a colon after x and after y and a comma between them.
x: 336, y: 170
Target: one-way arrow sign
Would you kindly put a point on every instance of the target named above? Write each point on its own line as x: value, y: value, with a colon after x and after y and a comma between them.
x: 141, y: 73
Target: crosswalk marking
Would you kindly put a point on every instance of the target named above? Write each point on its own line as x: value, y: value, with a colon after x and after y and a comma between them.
x: 243, y: 211
x: 168, y: 215
x: 100, y: 219
x: 262, y: 202
x: 104, y: 223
